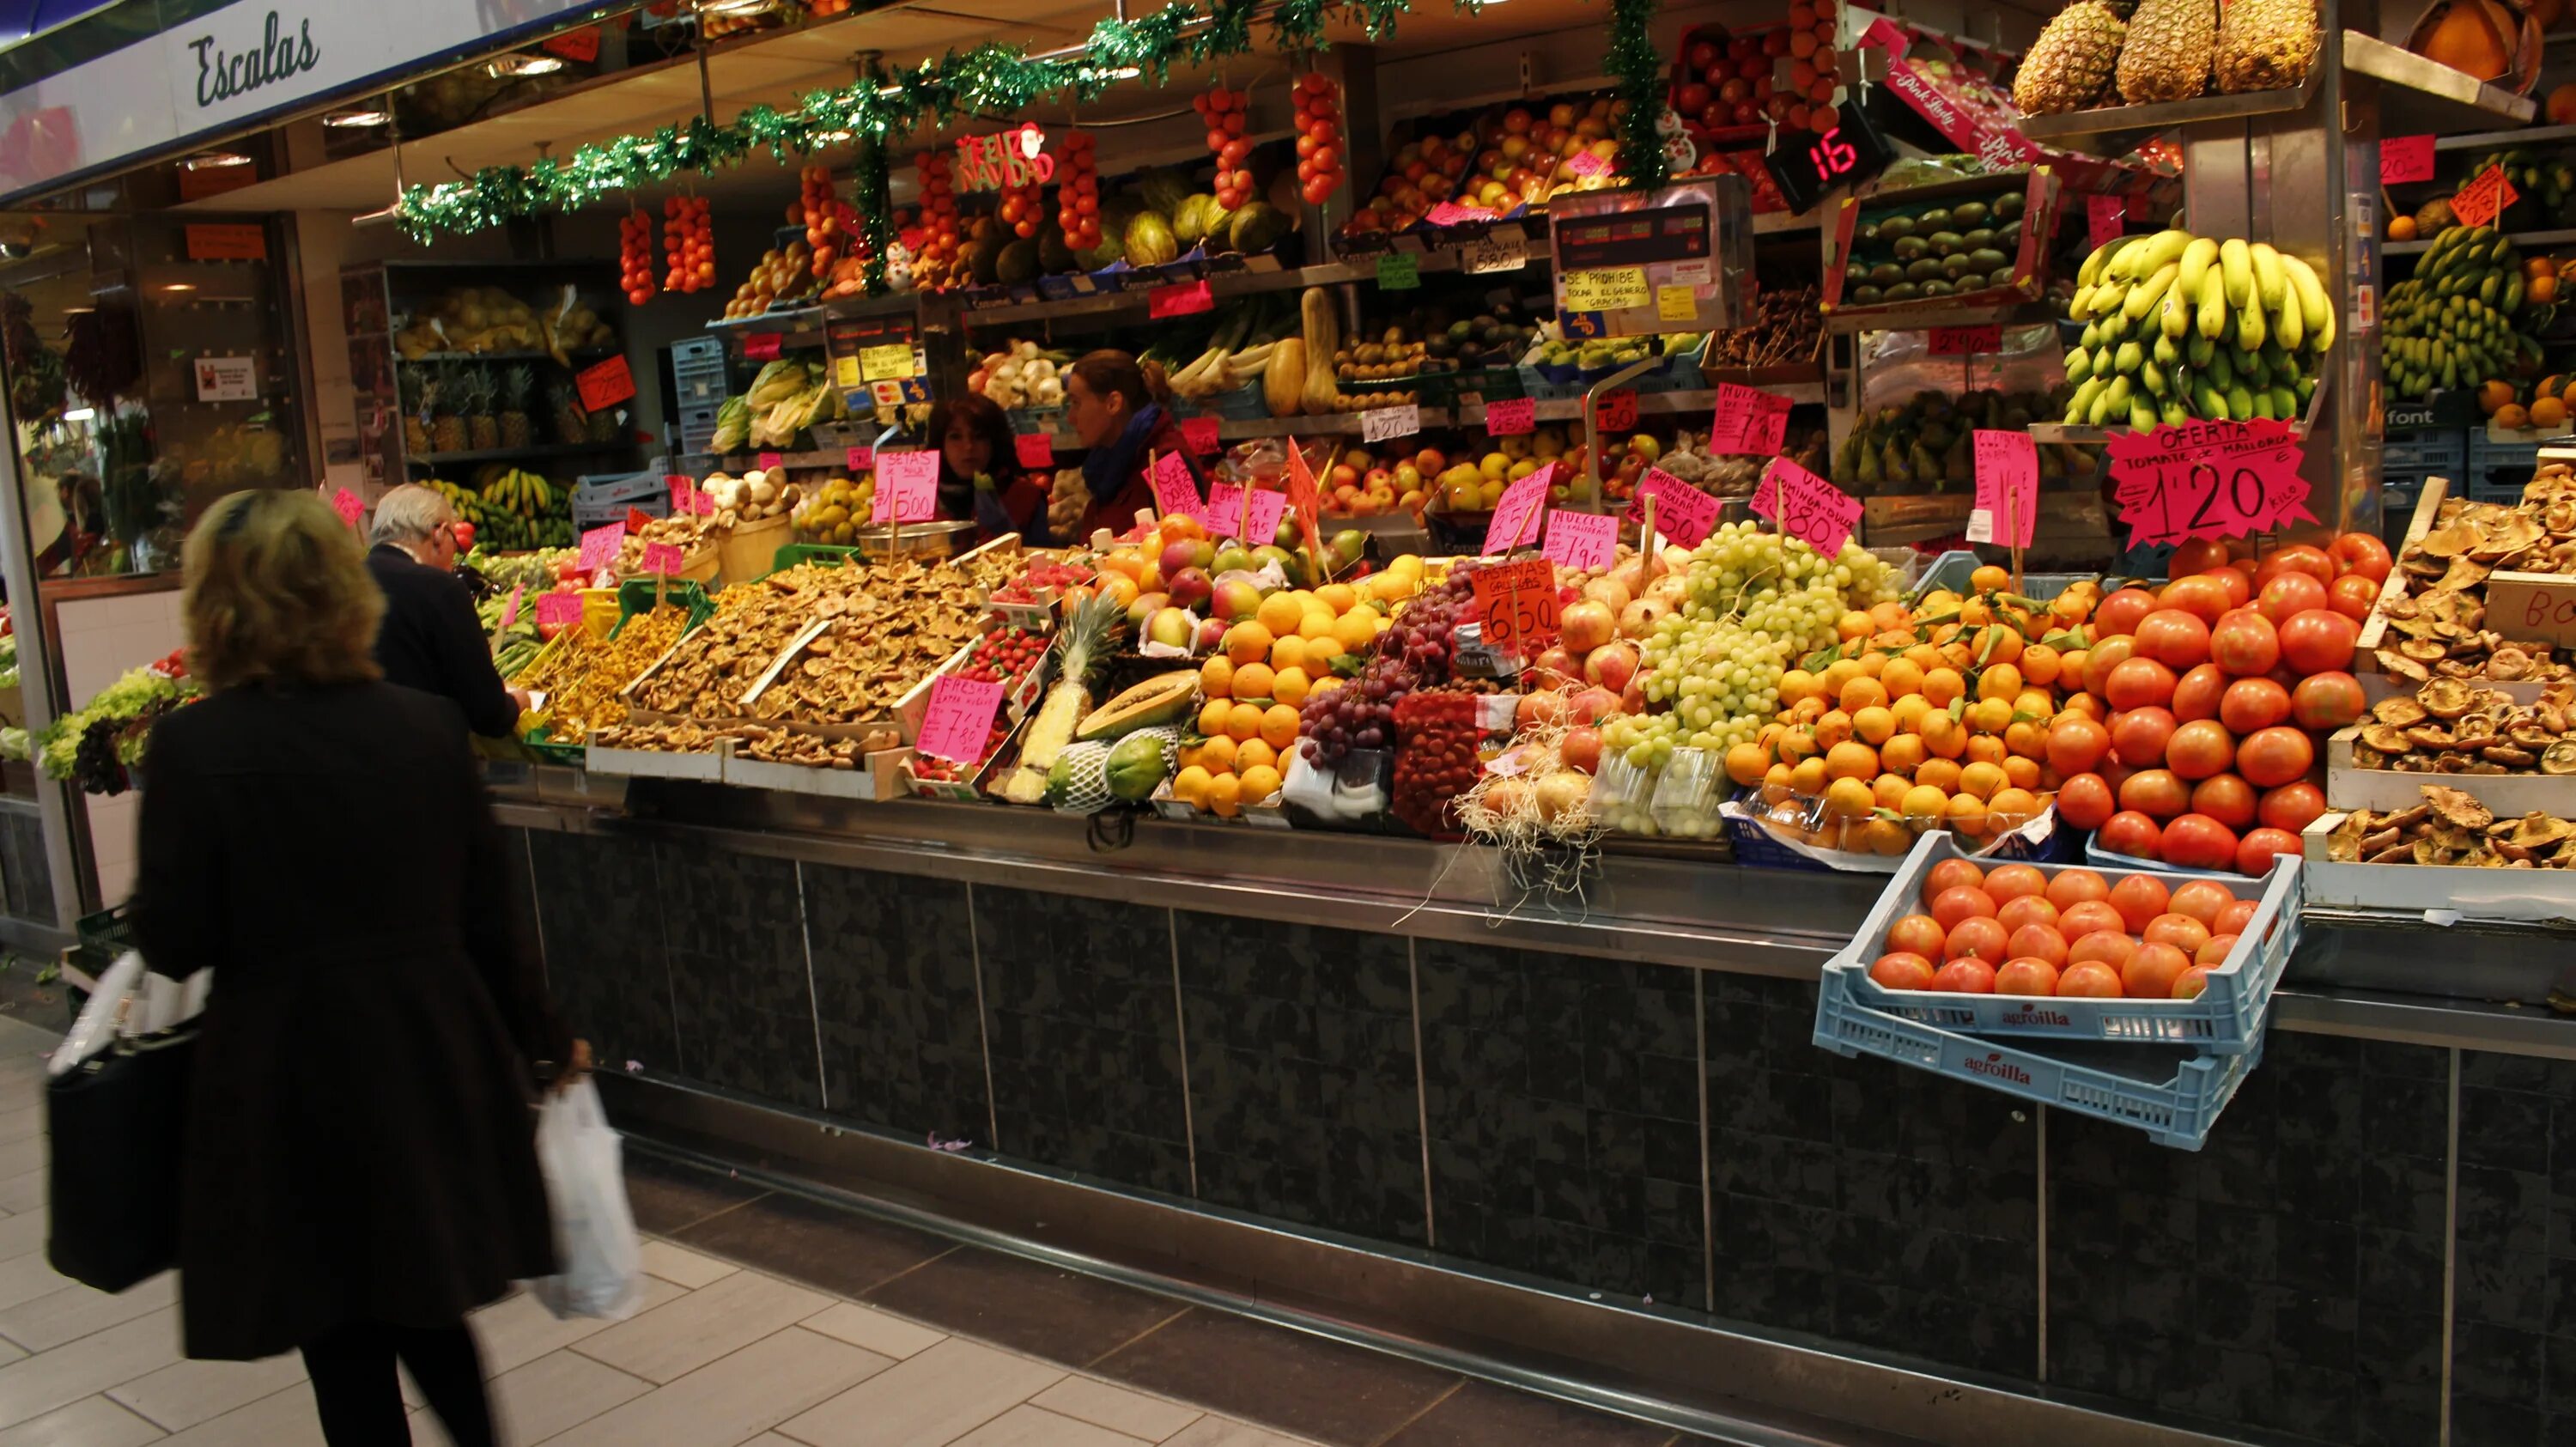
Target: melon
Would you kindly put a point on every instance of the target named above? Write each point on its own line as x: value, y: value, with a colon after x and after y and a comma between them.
x: 1136, y: 766
x: 1149, y: 241
x: 1257, y: 227
x: 1163, y: 189
x: 1054, y: 256
x: 1192, y: 218
x: 1018, y: 263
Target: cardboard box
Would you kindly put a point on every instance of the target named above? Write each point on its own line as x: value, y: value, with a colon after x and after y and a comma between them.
x: 2405, y: 889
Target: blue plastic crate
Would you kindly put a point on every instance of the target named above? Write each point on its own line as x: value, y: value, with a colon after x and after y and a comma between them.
x: 2225, y: 1019
x: 1952, y: 569
x: 2497, y: 471
x: 2438, y: 450
x: 2171, y: 1094
x: 1755, y: 846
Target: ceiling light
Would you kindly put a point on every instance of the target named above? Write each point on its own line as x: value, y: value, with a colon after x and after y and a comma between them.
x: 215, y: 160
x: 735, y: 7
x: 179, y: 286
x: 510, y: 66
x: 79, y: 414
x: 353, y: 120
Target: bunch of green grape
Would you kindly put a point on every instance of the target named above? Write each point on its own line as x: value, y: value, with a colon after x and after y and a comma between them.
x: 1757, y: 602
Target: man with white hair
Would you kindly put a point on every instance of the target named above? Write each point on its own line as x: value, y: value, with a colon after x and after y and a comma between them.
x: 431, y: 639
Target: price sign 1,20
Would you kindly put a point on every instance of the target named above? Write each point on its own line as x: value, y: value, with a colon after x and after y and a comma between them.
x: 1516, y: 603
x: 2208, y: 480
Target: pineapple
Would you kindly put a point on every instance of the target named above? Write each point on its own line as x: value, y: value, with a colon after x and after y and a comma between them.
x: 483, y: 430
x: 2072, y: 59
x: 2266, y: 45
x: 446, y: 424
x: 412, y: 392
x: 2166, y: 56
x: 1086, y: 635
x: 571, y: 423
x: 517, y: 382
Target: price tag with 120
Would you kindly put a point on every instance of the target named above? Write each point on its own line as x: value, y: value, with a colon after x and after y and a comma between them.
x: 1379, y: 424
x: 2208, y: 480
x: 1516, y: 603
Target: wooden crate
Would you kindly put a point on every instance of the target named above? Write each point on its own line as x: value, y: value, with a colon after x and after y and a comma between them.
x: 2501, y: 894
x: 2509, y: 795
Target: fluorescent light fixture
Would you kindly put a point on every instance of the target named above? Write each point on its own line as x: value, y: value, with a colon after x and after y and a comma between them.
x: 356, y: 120
x: 79, y: 414
x: 215, y: 160
x: 179, y: 286
x: 509, y: 66
x: 735, y: 7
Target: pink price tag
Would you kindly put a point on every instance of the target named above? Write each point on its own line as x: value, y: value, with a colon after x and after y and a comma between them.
x: 1176, y: 492
x: 599, y: 547
x: 2485, y: 198
x: 1748, y: 421
x: 1966, y: 341
x: 1186, y: 299
x: 684, y: 492
x: 907, y: 488
x: 1228, y: 513
x: 347, y: 505
x: 703, y: 503
x: 1515, y: 520
x: 662, y: 558
x: 2007, y: 488
x: 510, y: 610
x: 1450, y: 213
x: 861, y: 459
x: 1807, y: 507
x: 1587, y: 163
x: 771, y: 462
x: 2208, y: 480
x: 761, y: 346
x: 2404, y: 159
x: 558, y: 610
x: 1036, y: 449
x: 1616, y: 411
x: 958, y: 719
x: 1582, y: 539
x: 1198, y: 434
x: 1683, y: 513
x: 1513, y: 418
x: 2105, y: 218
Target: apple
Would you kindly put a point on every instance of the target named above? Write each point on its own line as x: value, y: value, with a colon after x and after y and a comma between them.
x: 1429, y: 462
x: 1379, y: 479
x: 1612, y: 664
x: 1187, y: 553
x: 1609, y: 592
x: 1691, y: 97
x: 1593, y: 705
x: 1586, y: 626
x: 1581, y: 749
x: 1172, y: 627
x: 1191, y: 587
x: 1342, y: 475
x: 1639, y: 618
x: 1211, y: 634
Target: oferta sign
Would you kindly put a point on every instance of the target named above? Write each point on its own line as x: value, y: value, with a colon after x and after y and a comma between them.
x: 133, y: 80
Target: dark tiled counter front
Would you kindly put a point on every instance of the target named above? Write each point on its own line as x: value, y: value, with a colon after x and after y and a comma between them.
x: 1651, y: 1132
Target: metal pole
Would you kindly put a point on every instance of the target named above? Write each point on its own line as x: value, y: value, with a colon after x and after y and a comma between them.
x: 36, y: 685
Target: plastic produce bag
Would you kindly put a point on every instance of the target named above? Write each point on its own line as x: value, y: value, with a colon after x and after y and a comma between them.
x: 595, y: 1241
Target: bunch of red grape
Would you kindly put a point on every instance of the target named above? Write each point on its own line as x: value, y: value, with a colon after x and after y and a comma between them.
x: 1319, y: 138
x: 1077, y: 190
x: 1435, y: 761
x: 1358, y: 715
x: 1225, y: 114
x: 688, y: 244
x: 635, y: 257
x: 1425, y: 633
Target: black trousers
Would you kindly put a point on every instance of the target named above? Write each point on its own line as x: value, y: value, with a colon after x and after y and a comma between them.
x: 361, y: 1399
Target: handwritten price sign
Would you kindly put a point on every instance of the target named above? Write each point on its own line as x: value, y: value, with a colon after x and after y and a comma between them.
x: 1176, y: 493
x: 1382, y: 424
x: 2007, y: 488
x: 684, y: 493
x: 1748, y: 421
x: 958, y: 718
x: 1253, y: 518
x: 1516, y: 511
x: 662, y: 558
x: 1516, y: 603
x: 2209, y: 480
x: 1582, y: 539
x: 605, y: 385
x: 1036, y: 449
x: 347, y: 505
x: 907, y: 488
x: 1186, y: 299
x: 1450, y: 213
x: 1198, y: 434
x: 1806, y: 507
x: 760, y: 346
x: 1683, y: 513
x: 558, y: 610
x: 2485, y: 198
x: 1966, y: 341
x: 1616, y: 411
x: 2104, y: 218
x: 599, y: 546
x: 2404, y: 159
x: 1516, y: 417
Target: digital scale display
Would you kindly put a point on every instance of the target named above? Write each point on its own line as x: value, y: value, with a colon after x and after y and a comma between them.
x: 1632, y: 238
x: 1806, y: 164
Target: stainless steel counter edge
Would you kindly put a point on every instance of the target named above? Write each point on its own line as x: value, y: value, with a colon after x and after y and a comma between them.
x: 1645, y: 908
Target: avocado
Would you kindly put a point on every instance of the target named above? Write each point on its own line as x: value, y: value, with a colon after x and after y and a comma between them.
x: 1902, y: 291
x: 1945, y: 243
x: 1886, y: 273
x: 1977, y: 240
x: 1937, y: 287
x: 1936, y: 219
x: 1867, y: 235
x: 2008, y: 237
x: 1968, y: 213
x: 1895, y: 227
x: 1922, y: 269
x: 2008, y: 206
x: 2003, y: 276
x: 1867, y: 296
x: 1954, y: 267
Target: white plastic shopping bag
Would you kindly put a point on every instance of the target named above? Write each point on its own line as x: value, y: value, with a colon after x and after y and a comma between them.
x: 129, y: 1002
x: 601, y: 1261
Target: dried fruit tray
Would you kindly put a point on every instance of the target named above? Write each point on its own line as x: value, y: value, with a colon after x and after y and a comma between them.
x: 2225, y: 1019
x: 2173, y: 1095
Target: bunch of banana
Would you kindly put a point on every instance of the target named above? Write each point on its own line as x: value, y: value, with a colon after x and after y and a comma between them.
x: 467, y: 504
x: 2181, y: 328
x: 2461, y: 319
x: 521, y: 492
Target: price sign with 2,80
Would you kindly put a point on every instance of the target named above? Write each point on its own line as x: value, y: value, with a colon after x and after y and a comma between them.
x: 1516, y: 603
x: 2208, y: 480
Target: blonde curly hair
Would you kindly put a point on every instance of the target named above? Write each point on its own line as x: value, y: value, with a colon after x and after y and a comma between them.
x: 277, y: 591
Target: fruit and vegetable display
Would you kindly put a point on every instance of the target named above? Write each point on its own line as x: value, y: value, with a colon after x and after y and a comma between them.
x: 783, y: 273
x: 889, y: 625
x: 2109, y: 52
x: 582, y: 673
x: 100, y: 745
x: 1925, y: 444
x: 475, y: 320
x: 1021, y: 375
x: 752, y: 497
x: 2180, y: 327
x: 2452, y: 828
x: 514, y: 510
x: 1501, y: 159
x: 1726, y: 81
x: 2016, y: 929
x: 2435, y: 627
x: 2466, y: 316
x: 2451, y: 726
x: 2484, y: 39
x: 1785, y: 331
x: 834, y: 510
x: 784, y: 399
x: 1931, y: 250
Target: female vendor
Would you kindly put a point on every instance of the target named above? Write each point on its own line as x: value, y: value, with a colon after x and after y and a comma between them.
x: 1115, y: 406
x: 980, y: 477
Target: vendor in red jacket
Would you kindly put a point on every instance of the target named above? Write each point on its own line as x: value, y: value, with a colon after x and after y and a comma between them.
x: 1115, y: 406
x: 980, y: 477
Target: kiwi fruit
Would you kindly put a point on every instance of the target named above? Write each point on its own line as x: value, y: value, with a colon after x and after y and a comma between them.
x: 1922, y: 268
x: 1936, y: 219
x: 1866, y: 296
x: 1886, y: 273
x: 1977, y: 240
x: 1937, y: 287
x: 1902, y: 291
x: 1907, y: 248
x: 1895, y: 227
x: 1987, y: 259
x: 1945, y: 243
x: 2008, y: 206
x: 1968, y: 213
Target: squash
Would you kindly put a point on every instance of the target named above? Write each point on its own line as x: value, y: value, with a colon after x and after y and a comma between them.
x: 1283, y: 382
x: 1323, y: 331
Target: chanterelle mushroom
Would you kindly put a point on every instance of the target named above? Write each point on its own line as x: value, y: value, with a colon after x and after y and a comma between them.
x: 2458, y: 807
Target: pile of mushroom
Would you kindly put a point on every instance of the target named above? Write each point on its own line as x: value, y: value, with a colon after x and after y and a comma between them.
x: 2450, y: 726
x: 2450, y: 827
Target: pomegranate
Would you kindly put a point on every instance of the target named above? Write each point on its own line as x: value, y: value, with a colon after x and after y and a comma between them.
x: 1587, y: 625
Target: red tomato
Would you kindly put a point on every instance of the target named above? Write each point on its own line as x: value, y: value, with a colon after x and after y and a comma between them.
x: 2362, y: 555
x: 2178, y: 930
x: 2353, y: 596
x: 2119, y: 614
x: 2198, y: 692
x: 2202, y: 596
x: 2285, y: 596
x: 2139, y: 683
x: 2292, y: 807
x: 2151, y: 972
x: 2318, y: 640
x: 2239, y: 583
x: 2191, y: 983
x: 2076, y: 744
x: 2140, y: 898
x: 2104, y: 656
x: 1901, y: 970
x: 2106, y: 946
x: 2006, y: 882
x: 2196, y: 841
x: 1950, y: 874
x: 2275, y: 756
x: 1962, y: 902
x: 2199, y: 750
x: 2198, y: 555
x: 2071, y: 887
x: 2091, y: 916
x: 2255, y: 854
x: 1975, y: 936
x: 2139, y: 736
x: 2156, y: 792
x: 2027, y: 909
x: 2237, y: 914
x: 2226, y: 798
x: 2174, y: 638
x: 2038, y: 940
x: 1917, y: 934
x: 2213, y: 952
x: 2253, y: 703
x: 2026, y: 976
x: 1966, y: 977
x: 2299, y: 558
x: 2202, y: 899
x: 2244, y: 643
x: 2086, y: 801
x: 2092, y: 980
x: 2324, y: 702
x: 2133, y: 834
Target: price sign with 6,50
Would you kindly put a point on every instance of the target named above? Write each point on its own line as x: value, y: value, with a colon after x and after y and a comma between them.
x: 1516, y: 603
x: 2208, y: 480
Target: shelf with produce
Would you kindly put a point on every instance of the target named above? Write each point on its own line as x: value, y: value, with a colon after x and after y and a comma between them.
x: 2490, y: 140
x: 1242, y: 283
x: 2147, y: 120
x: 505, y: 454
x: 2425, y: 95
x: 2518, y: 238
x: 1924, y: 319
x: 835, y: 458
x: 526, y: 356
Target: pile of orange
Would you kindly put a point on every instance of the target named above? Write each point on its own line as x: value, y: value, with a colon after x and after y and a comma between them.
x: 1264, y: 668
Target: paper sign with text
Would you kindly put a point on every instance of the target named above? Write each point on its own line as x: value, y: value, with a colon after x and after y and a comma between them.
x: 1678, y: 304
x: 2208, y: 480
x: 1502, y: 249
x: 1608, y: 289
x: 1398, y: 271
x: 760, y: 346
x: 887, y: 362
x: 1587, y: 162
x: 703, y: 503
x: 860, y: 459
x: 684, y: 492
x: 604, y: 384
x: 662, y: 558
x: 2404, y: 159
x: 1516, y: 604
x: 1582, y: 539
x: 1806, y: 506
x: 1515, y: 520
x: 510, y: 610
x: 637, y: 519
x: 2104, y: 218
x: 1226, y: 507
x: 2484, y: 198
x: 2007, y: 488
x: 1966, y: 341
x: 1512, y: 417
x: 1748, y: 421
x: 771, y: 461
x: 1302, y: 500
x: 1616, y: 411
x: 558, y: 610
x: 1199, y: 435
x: 347, y: 505
x: 1036, y: 449
x: 958, y: 719
x: 599, y: 546
x: 2532, y: 607
x: 1185, y: 299
x: 1176, y: 492
x: 1683, y: 513
x: 1379, y: 424
x: 907, y: 488
x: 1450, y: 213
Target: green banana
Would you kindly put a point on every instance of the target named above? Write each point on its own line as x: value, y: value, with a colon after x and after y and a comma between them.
x: 2079, y: 365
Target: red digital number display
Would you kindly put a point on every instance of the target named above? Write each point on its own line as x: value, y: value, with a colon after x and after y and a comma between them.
x: 1832, y: 156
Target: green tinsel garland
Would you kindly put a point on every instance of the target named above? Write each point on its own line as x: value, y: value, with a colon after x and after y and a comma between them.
x: 876, y: 213
x: 1640, y: 71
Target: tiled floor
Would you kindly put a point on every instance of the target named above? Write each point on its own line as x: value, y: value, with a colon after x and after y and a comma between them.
x: 769, y: 1321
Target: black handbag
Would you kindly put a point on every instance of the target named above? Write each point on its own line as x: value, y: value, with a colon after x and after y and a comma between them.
x: 117, y: 1128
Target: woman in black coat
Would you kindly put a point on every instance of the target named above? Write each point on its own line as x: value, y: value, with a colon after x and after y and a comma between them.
x: 361, y: 1166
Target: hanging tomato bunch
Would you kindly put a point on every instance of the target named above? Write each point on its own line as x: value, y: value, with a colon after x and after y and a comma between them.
x: 635, y: 256
x: 688, y: 244
x: 1023, y: 205
x: 939, y: 223
x: 1319, y: 137
x: 819, y: 210
x: 1077, y: 191
x: 1223, y: 110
